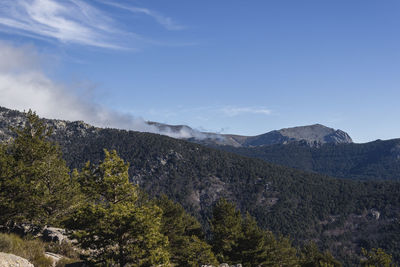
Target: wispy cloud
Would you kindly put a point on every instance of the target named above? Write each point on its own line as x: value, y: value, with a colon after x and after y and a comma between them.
x: 235, y: 111
x: 70, y: 21
x: 74, y: 21
x: 167, y: 22
x: 24, y: 85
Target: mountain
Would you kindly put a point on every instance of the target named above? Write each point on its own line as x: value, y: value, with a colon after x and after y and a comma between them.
x: 340, y: 215
x: 313, y: 135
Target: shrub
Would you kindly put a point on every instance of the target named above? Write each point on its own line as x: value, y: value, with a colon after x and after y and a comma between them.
x: 65, y: 248
x: 32, y: 250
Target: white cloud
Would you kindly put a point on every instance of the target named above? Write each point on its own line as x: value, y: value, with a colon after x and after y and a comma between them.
x: 167, y: 22
x: 24, y: 86
x: 235, y: 111
x: 70, y: 21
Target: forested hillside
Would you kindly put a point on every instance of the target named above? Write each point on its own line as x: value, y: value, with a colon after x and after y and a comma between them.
x: 338, y: 214
x: 303, y: 205
x: 373, y: 160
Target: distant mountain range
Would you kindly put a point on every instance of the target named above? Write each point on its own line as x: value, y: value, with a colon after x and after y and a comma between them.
x: 339, y: 214
x: 315, y: 148
x: 313, y: 135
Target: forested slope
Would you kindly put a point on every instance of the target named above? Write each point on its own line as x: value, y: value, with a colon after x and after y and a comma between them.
x: 368, y: 161
x: 339, y: 214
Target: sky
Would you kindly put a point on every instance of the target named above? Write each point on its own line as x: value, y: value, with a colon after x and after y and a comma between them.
x: 227, y: 66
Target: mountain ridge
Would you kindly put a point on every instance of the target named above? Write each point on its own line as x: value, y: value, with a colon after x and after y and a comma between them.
x: 336, y: 213
x: 313, y: 135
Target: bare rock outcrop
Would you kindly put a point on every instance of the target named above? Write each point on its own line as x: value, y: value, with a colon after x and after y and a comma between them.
x: 53, y: 234
x: 11, y: 260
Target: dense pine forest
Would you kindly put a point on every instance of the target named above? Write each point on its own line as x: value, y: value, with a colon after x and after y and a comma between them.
x: 377, y: 160
x: 117, y: 187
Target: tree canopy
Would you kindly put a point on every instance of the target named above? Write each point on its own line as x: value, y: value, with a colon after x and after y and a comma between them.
x: 113, y: 223
x: 35, y: 183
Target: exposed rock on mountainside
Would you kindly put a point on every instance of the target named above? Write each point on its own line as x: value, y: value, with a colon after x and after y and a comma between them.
x: 314, y: 135
x: 11, y: 260
x: 61, y: 129
x: 283, y: 200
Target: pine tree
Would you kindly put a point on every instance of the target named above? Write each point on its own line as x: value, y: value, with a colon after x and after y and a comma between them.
x: 226, y: 230
x: 311, y: 256
x: 35, y: 183
x: 259, y: 247
x: 279, y: 251
x: 194, y: 252
x: 376, y: 258
x: 238, y: 240
x: 252, y: 245
x: 114, y: 223
x: 7, y: 187
x: 185, y: 236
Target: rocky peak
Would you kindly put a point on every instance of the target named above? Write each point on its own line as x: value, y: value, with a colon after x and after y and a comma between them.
x: 313, y: 135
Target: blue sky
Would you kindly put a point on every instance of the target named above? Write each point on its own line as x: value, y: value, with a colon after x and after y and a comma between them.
x: 244, y: 67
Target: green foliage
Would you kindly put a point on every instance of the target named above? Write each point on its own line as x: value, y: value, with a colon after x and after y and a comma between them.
x: 32, y: 250
x: 286, y: 201
x: 259, y: 247
x: 176, y: 221
x: 185, y: 236
x: 113, y: 223
x: 311, y: 256
x: 304, y: 206
x: 35, y: 182
x: 368, y: 161
x: 226, y: 229
x: 238, y: 240
x: 376, y: 258
x: 191, y: 251
x: 64, y: 248
x: 252, y: 243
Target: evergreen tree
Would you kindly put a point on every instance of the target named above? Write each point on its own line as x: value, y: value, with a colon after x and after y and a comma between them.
x: 114, y: 223
x: 185, y: 236
x: 35, y: 183
x: 376, y: 258
x: 238, y: 240
x: 252, y: 245
x: 280, y: 251
x: 259, y: 247
x: 7, y: 187
x: 226, y: 230
x: 311, y: 256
